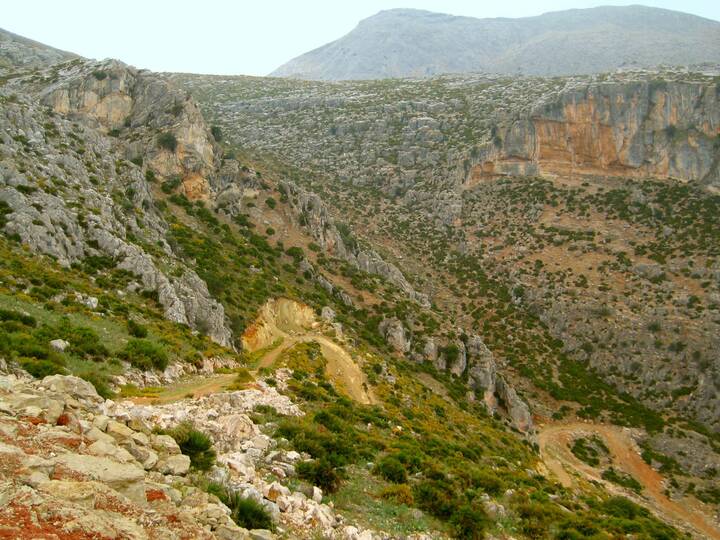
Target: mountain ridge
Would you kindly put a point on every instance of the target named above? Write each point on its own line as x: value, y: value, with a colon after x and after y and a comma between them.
x: 20, y: 52
x: 415, y: 43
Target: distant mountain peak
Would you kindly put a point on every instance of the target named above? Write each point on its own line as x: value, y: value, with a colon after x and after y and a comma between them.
x: 416, y: 43
x: 17, y: 52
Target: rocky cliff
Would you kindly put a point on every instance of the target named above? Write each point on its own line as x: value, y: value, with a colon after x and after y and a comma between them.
x: 80, y: 149
x: 648, y: 129
x: 614, y: 252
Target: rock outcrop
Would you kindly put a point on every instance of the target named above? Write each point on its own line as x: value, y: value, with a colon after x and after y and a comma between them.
x: 483, y: 376
x: 395, y: 334
x: 314, y: 216
x: 17, y: 52
x: 76, y: 466
x: 94, y: 198
x: 70, y: 471
x: 646, y: 129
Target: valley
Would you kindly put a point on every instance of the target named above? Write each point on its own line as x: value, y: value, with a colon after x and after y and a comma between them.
x: 469, y: 305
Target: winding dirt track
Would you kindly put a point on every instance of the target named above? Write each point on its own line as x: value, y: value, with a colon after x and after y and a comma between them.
x: 341, y: 368
x: 555, y: 441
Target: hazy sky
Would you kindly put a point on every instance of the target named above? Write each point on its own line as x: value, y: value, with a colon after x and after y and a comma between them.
x: 240, y: 37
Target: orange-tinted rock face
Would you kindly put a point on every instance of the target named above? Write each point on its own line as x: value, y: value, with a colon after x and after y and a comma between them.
x: 196, y: 187
x: 663, y: 130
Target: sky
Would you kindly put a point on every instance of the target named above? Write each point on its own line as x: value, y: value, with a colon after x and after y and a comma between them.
x: 240, y: 37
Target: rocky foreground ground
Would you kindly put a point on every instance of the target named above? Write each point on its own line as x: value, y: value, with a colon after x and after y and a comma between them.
x: 75, y: 466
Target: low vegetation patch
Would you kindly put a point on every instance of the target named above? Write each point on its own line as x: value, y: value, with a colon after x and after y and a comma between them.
x: 246, y: 512
x: 621, y: 479
x: 590, y: 450
x: 195, y: 444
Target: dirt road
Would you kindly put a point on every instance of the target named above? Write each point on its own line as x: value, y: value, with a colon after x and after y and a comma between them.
x: 555, y: 441
x: 197, y: 386
x: 341, y: 368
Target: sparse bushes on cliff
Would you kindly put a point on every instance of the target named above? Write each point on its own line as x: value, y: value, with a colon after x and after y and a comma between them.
x: 169, y: 185
x: 167, y: 141
x: 621, y: 479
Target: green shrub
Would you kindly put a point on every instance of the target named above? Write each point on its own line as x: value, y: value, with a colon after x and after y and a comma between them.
x: 136, y: 329
x: 195, y: 444
x: 144, y: 354
x: 321, y: 473
x: 469, y: 522
x: 435, y: 497
x: 296, y: 253
x: 399, y: 494
x: 10, y: 315
x: 216, y: 132
x: 535, y: 519
x: 247, y: 513
x: 83, y: 341
x: 487, y: 481
x: 391, y: 470
x: 41, y: 368
x: 167, y: 141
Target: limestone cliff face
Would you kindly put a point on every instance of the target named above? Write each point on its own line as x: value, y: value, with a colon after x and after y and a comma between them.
x: 118, y: 96
x: 646, y: 129
x: 72, y: 191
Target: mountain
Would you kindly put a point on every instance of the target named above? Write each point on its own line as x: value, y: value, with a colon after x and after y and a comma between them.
x: 412, y: 43
x: 260, y: 308
x: 17, y: 51
x: 569, y: 222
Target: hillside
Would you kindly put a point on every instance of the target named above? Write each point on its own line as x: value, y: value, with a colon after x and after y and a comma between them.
x: 236, y: 307
x: 17, y: 51
x: 586, y: 269
x: 401, y: 43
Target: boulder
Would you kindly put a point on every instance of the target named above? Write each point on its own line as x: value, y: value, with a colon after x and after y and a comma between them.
x: 104, y: 448
x: 59, y: 345
x: 164, y: 444
x: 328, y: 313
x: 395, y: 334
x: 176, y: 464
x: 72, y: 386
x: 125, y: 478
x: 517, y: 409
